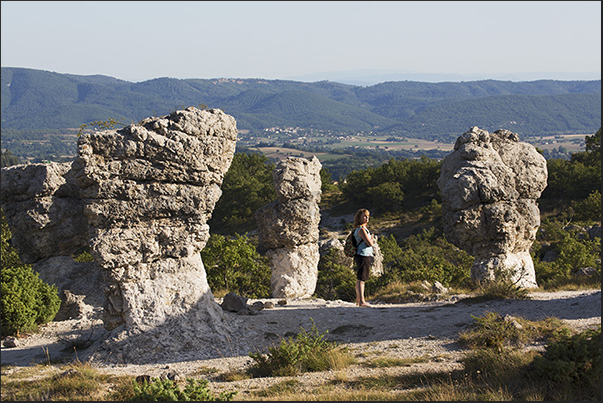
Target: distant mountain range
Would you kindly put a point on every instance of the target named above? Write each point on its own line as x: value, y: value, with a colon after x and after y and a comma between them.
x: 373, y: 76
x: 34, y: 100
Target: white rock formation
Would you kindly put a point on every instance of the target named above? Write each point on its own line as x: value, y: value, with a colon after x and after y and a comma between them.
x: 140, y: 198
x: 288, y: 227
x: 490, y: 184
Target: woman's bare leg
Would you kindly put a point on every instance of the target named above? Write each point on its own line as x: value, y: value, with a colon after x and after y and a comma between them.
x: 360, y: 294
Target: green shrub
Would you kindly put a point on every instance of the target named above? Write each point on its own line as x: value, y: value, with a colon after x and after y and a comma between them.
x: 572, y: 254
x: 84, y: 256
x: 168, y: 390
x: 246, y: 187
x: 491, y: 331
x: 575, y: 254
x: 336, y: 279
x: 306, y: 352
x: 503, y: 286
x: 426, y: 256
x: 550, y: 230
x: 589, y: 209
x: 572, y: 363
x: 26, y: 300
x: 494, y: 332
x: 234, y: 265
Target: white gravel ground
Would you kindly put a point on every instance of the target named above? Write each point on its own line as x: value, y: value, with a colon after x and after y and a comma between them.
x: 410, y: 330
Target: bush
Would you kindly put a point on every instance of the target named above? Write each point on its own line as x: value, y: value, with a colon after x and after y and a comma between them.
x: 26, y: 300
x: 336, y: 279
x: 427, y: 256
x: 496, y: 333
x: 575, y: 254
x: 306, y: 352
x: 503, y: 286
x: 168, y: 390
x: 246, y: 187
x: 572, y: 364
x: 589, y: 209
x: 572, y: 254
x: 550, y: 230
x: 493, y: 332
x: 234, y: 265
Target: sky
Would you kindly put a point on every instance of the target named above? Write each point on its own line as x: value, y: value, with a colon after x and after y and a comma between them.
x: 303, y: 40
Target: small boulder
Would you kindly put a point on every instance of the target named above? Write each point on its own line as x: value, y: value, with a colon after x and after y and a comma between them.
x: 233, y: 302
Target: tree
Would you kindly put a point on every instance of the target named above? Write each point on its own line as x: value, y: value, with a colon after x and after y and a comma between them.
x: 589, y: 209
x: 426, y: 256
x: 234, y: 265
x: 387, y: 196
x: 8, y: 159
x: 572, y: 180
x: 246, y: 187
x: 26, y: 300
x: 394, y: 185
x: 592, y: 155
x: 336, y: 279
x: 327, y: 184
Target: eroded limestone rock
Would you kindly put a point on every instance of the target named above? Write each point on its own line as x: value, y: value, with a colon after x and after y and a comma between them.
x: 46, y: 217
x: 490, y: 184
x: 43, y: 209
x: 288, y: 227
x: 148, y: 191
x: 140, y: 198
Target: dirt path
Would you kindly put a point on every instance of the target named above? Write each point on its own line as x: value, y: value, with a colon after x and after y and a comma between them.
x: 396, y: 330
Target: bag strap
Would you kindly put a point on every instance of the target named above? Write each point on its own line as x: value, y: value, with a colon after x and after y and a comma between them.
x: 354, y: 237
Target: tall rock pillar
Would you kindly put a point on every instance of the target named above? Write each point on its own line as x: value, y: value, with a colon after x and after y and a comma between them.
x: 490, y: 184
x: 148, y: 191
x: 288, y: 227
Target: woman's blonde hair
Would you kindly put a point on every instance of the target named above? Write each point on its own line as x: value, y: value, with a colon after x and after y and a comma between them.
x: 358, y: 214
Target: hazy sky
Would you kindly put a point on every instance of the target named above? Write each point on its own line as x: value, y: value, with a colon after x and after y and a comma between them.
x: 141, y: 40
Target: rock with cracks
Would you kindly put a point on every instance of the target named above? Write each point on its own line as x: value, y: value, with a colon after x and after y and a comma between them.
x: 490, y: 184
x: 139, y: 198
x: 288, y: 228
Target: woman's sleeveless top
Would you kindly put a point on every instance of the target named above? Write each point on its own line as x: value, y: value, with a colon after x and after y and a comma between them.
x: 363, y: 248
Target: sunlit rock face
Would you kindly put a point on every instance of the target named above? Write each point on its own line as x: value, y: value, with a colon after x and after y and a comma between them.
x: 140, y: 198
x: 490, y: 185
x: 288, y: 227
x: 148, y: 191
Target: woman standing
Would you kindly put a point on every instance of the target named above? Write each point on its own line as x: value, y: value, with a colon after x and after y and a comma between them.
x: 364, y: 254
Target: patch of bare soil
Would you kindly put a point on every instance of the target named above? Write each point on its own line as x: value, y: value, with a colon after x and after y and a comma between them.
x: 409, y: 330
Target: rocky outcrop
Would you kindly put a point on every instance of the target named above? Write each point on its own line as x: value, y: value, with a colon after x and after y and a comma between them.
x: 46, y: 217
x: 140, y: 198
x: 490, y: 184
x: 288, y: 227
x: 44, y: 211
x: 148, y: 191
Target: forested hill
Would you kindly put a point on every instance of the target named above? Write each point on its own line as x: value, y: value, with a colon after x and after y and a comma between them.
x: 42, y: 100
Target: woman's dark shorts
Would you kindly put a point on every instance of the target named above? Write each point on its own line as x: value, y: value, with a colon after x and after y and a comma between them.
x: 363, y: 266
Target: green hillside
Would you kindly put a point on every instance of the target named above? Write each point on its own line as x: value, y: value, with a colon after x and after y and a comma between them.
x: 401, y: 100
x: 523, y: 114
x: 38, y: 101
x: 305, y: 109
